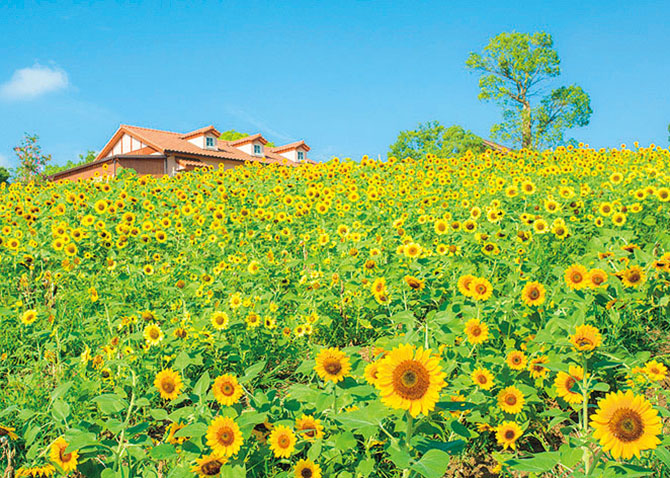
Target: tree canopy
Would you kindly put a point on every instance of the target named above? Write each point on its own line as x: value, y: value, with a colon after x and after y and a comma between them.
x: 232, y: 135
x: 514, y: 70
x: 434, y: 138
x: 4, y: 175
x: 83, y: 159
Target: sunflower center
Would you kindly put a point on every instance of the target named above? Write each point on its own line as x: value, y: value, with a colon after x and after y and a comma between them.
x: 211, y: 468
x: 510, y: 399
x: 534, y: 294
x: 168, y: 386
x: 585, y: 342
x: 509, y: 434
x: 481, y: 289
x: 481, y: 378
x: 626, y: 425
x: 576, y: 277
x: 597, y: 280
x: 569, y: 383
x: 516, y: 360
x: 226, y: 437
x: 227, y: 389
x: 306, y: 473
x: 333, y: 367
x: 64, y: 457
x: 411, y: 380
x: 634, y: 276
x: 154, y: 334
x: 284, y: 441
x: 476, y: 331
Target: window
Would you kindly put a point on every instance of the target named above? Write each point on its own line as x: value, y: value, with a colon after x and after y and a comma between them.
x: 210, y: 142
x: 301, y: 155
x: 257, y: 149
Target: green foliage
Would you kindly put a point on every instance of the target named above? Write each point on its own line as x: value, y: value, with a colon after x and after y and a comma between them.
x: 433, y: 138
x: 4, y: 175
x: 232, y: 135
x: 83, y: 159
x: 514, y: 68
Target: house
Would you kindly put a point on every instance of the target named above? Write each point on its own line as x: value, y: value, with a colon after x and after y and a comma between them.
x: 159, y: 153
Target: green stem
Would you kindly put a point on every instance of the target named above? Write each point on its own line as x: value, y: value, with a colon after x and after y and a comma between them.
x: 585, y: 417
x: 408, y: 433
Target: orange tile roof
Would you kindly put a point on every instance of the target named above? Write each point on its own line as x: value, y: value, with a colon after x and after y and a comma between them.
x: 202, y: 131
x: 248, y: 139
x: 287, y: 147
x: 168, y: 142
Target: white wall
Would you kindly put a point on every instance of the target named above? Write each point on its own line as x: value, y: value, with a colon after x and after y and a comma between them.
x: 126, y: 145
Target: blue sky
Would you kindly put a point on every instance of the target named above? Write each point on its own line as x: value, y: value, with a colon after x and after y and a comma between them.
x: 344, y: 76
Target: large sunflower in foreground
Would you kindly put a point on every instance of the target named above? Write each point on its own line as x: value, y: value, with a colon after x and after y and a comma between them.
x: 224, y: 436
x: 332, y: 365
x: 209, y: 465
x: 66, y: 461
x: 586, y: 338
x: 226, y: 389
x: 307, y: 469
x: 626, y: 424
x: 410, y: 379
x: 169, y: 384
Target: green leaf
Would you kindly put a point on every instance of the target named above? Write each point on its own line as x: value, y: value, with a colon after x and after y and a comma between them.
x: 424, y: 445
x: 432, y: 465
x: 194, y: 430
x: 110, y: 404
x: 202, y: 386
x: 253, y: 371
x: 365, y: 467
x: 158, y: 414
x: 78, y: 439
x: 163, y: 451
x: 60, y: 411
x: 539, y: 463
x: 663, y: 454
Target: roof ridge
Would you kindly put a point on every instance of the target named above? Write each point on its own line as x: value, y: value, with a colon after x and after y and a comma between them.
x: 150, y: 129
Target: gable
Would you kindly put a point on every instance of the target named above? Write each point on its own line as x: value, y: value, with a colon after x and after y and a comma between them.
x: 128, y: 144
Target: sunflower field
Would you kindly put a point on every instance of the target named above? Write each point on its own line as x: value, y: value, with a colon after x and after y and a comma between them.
x: 505, y: 314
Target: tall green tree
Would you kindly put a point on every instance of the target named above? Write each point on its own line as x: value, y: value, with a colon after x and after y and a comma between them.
x: 83, y: 159
x: 434, y: 138
x: 4, y: 175
x: 515, y: 69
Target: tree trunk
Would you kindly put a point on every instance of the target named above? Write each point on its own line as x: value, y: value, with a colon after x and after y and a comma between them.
x: 526, y: 133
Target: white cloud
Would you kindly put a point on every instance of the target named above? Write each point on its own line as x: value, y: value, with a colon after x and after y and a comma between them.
x: 31, y: 82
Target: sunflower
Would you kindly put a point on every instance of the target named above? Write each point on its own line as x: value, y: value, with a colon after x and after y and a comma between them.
x: 332, y: 365
x: 45, y: 471
x: 586, y: 338
x: 533, y: 294
x: 169, y: 384
x: 507, y: 433
x: 371, y: 373
x: 656, y: 371
x: 412, y: 250
x: 634, y: 276
x: 29, y: 316
x: 414, y: 283
x: 516, y: 360
x: 575, y: 276
x: 477, y: 332
x: 309, y: 427
x: 66, y: 461
x: 224, y: 436
x: 465, y: 285
x: 410, y: 379
x: 307, y: 469
x: 282, y: 441
x: 220, y: 320
x: 537, y: 370
x: 8, y: 432
x: 482, y: 378
x: 153, y: 334
x: 596, y: 278
x: 226, y: 390
x: 481, y: 289
x: 209, y: 465
x: 565, y: 382
x: 626, y: 424
x: 511, y: 400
